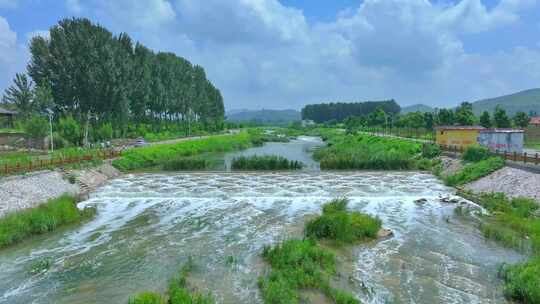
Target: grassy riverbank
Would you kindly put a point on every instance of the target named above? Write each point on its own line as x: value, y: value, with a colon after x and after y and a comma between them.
x: 514, y: 224
x: 363, y: 151
x: 18, y: 226
x: 152, y: 156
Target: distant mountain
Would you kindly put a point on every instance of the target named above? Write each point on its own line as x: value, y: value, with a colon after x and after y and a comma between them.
x: 276, y: 117
x: 525, y: 101
x: 416, y: 108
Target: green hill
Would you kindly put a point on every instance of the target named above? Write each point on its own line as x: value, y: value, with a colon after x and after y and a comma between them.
x: 526, y: 101
x: 416, y: 108
x: 271, y: 117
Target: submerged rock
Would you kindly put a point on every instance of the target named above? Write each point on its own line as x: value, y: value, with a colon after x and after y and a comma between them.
x: 421, y: 201
x: 384, y: 233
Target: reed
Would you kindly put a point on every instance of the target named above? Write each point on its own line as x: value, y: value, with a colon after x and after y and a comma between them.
x: 265, y: 162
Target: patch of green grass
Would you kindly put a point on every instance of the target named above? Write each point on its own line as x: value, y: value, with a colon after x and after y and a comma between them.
x: 522, y: 281
x: 474, y: 171
x: 265, y: 162
x: 338, y: 224
x: 182, y: 164
x: 151, y: 156
x: 178, y: 293
x: 147, y: 298
x: 40, y: 266
x: 296, y: 265
x: 350, y: 152
x: 17, y: 226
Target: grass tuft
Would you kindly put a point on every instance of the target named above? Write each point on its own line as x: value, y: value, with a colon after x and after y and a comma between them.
x: 17, y: 226
x: 182, y: 164
x: 337, y: 224
x: 474, y: 171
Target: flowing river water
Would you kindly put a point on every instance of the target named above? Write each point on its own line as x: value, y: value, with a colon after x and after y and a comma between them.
x: 148, y: 225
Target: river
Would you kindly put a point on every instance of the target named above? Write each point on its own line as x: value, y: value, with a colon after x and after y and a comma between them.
x: 148, y: 225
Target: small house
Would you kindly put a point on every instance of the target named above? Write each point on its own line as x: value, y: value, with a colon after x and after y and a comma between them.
x: 7, y: 118
x: 502, y: 140
x: 535, y: 121
x: 458, y: 136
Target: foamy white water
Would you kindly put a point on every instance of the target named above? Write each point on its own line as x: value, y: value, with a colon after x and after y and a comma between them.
x: 149, y: 224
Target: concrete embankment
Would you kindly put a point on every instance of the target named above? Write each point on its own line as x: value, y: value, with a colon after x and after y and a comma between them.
x: 512, y: 181
x: 30, y: 190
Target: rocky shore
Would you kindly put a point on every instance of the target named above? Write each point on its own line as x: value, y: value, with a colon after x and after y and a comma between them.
x: 30, y: 190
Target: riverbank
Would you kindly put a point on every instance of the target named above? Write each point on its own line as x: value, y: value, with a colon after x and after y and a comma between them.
x: 28, y: 191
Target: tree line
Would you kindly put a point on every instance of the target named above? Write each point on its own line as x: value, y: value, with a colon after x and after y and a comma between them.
x: 461, y: 116
x: 325, y: 112
x: 84, y: 72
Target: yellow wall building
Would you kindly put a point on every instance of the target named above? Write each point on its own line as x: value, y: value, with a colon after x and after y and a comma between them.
x: 458, y: 136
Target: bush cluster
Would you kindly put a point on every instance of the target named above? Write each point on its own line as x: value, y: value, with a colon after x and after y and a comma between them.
x: 337, y: 224
x: 17, y: 226
x: 476, y: 154
x: 265, y: 162
x: 522, y: 281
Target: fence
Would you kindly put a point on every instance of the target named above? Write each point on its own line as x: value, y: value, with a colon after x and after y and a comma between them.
x: 417, y: 133
x: 526, y: 158
x: 37, y: 163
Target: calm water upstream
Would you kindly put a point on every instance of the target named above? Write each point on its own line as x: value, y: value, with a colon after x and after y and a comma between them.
x: 149, y: 224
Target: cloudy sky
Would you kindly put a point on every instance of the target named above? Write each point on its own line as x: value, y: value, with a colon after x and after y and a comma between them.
x: 285, y: 53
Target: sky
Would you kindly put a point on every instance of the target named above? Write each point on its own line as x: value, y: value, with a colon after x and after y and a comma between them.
x: 283, y: 54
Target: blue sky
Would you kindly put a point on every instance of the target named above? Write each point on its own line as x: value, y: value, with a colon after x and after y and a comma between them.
x: 284, y: 54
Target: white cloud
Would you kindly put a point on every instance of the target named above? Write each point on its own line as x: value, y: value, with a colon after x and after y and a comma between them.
x: 12, y: 56
x: 264, y: 54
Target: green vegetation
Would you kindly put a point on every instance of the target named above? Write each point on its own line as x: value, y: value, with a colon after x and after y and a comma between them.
x: 178, y: 293
x: 299, y: 264
x: 152, y: 156
x: 265, y: 162
x: 324, y: 112
x: 265, y: 117
x: 522, y: 281
x: 368, y: 152
x: 474, y: 171
x: 431, y: 151
x: 513, y: 223
x: 337, y: 224
x: 476, y: 154
x: 182, y: 164
x: 17, y: 226
x: 147, y: 298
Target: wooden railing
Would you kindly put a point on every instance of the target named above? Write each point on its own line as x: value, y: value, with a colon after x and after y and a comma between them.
x: 39, y: 163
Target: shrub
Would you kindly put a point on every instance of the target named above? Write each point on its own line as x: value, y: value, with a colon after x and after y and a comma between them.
x: 36, y: 127
x: 475, y: 171
x: 265, y: 162
x: 476, y: 154
x: 105, y: 132
x: 431, y: 151
x: 181, y: 164
x: 17, y: 226
x: 339, y: 225
x: 69, y: 129
x: 522, y: 281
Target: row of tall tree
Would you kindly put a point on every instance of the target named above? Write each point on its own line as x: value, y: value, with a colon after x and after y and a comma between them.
x: 84, y: 71
x: 463, y: 115
x: 325, y: 112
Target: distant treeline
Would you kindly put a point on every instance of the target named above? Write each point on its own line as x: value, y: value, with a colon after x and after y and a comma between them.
x: 97, y: 77
x: 324, y: 112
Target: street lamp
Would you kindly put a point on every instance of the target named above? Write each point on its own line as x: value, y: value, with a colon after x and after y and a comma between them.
x: 50, y: 113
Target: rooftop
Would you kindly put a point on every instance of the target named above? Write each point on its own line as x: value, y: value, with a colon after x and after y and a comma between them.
x: 7, y: 112
x: 500, y: 130
x: 460, y: 128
